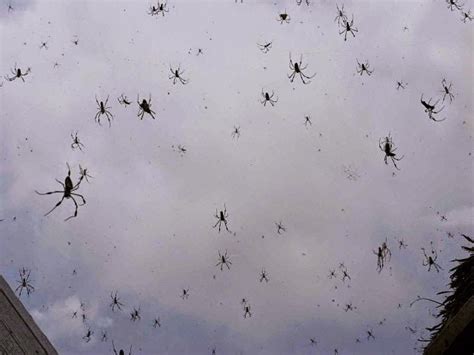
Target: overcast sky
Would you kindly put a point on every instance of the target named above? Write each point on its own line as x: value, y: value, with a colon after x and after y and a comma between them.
x: 146, y: 230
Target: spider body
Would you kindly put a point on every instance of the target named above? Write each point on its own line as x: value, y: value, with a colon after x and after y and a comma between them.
x: 430, y: 260
x: 236, y: 132
x: 222, y: 218
x: 159, y: 8
x: 18, y: 74
x: 121, y: 352
x: 185, y: 293
x: 145, y: 107
x: 341, y: 15
x: 466, y: 16
x: 283, y: 17
x: 364, y: 67
x: 401, y: 85
x: 280, y: 227
x: 454, y: 5
x: 265, y: 48
x: 76, y: 143
x: 135, y: 314
x: 176, y: 75
x: 123, y: 100
x: 447, y: 90
x: 348, y: 27
x: 431, y: 109
x: 103, y: 110
x: 297, y: 69
x: 263, y: 276
x: 88, y: 335
x: 386, y: 145
x: 268, y: 98
x: 24, y: 282
x: 224, y: 260
x: 370, y: 334
x: 156, y: 322
x: 247, y: 312
x: 115, y: 302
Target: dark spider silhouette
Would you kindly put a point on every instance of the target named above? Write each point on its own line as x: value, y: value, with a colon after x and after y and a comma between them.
x: 236, y: 132
x: 185, y: 293
x: 123, y: 100
x: 222, y: 218
x: 265, y: 48
x: 159, y: 8
x: 332, y: 274
x: 115, y: 301
x: 104, y: 336
x: 307, y: 120
x: 430, y: 260
x: 76, y: 143
x: 383, y: 255
x: 387, y: 146
x: 18, y: 74
x: 135, y: 314
x: 447, y: 90
x: 247, y: 312
x: 24, y: 282
x: 402, y: 244
x: 430, y: 109
x: 466, y: 16
x: 348, y: 28
x: 370, y: 334
x: 454, y: 5
x: 44, y: 45
x: 199, y: 51
x: 157, y: 322
x: 75, y: 41
x: 224, y: 260
x: 313, y: 342
x: 268, y: 98
x: 264, y: 276
x: 364, y: 67
x: 83, y: 173
x: 341, y: 15
x: 401, y: 85
x: 280, y: 227
x: 145, y: 107
x: 349, y: 307
x: 68, y: 193
x: 176, y: 75
x: 103, y: 110
x: 74, y: 314
x: 297, y: 69
x: 283, y: 17
x: 299, y: 2
x: 121, y: 352
x: 88, y: 335
x: 181, y: 149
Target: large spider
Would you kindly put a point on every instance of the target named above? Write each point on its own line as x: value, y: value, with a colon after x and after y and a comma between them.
x: 297, y: 68
x: 224, y: 260
x: 123, y: 100
x: 121, y: 352
x: 364, y: 67
x: 185, y: 293
x: 76, y: 143
x: 386, y: 145
x: 430, y: 109
x: 222, y: 218
x: 88, y: 335
x: 68, y: 192
x: 447, y: 90
x: 103, y: 110
x: 430, y: 260
x: 145, y: 107
x: 115, y: 302
x: 236, y: 132
x: 155, y: 10
x: 24, y: 282
x: 17, y: 73
x: 348, y: 27
x: 466, y: 16
x: 265, y: 48
x: 341, y: 15
x: 283, y: 17
x: 454, y: 5
x: 176, y: 75
x: 268, y: 98
x: 135, y: 314
x: 264, y: 276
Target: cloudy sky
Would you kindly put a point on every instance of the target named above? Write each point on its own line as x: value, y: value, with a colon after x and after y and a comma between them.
x: 147, y: 228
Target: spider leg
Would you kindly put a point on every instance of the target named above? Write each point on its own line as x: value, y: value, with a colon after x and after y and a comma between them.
x: 49, y: 193
x: 81, y: 197
x: 75, y: 211
x: 55, y: 206
x: 394, y: 164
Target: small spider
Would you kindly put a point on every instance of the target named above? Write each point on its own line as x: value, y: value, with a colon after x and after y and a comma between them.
x: 332, y: 274
x: 156, y: 322
x: 386, y: 145
x: 44, y: 45
x: 401, y: 85
x: 264, y: 276
x: 103, y: 110
x: 135, y: 314
x: 18, y: 74
x: 447, y: 90
x: 299, y: 2
x: 104, y: 336
x: 88, y: 335
x: 224, y: 260
x: 176, y: 75
x: 74, y: 314
x: 84, y: 317
x: 307, y: 120
x: 349, y: 307
x: 145, y: 107
x: 280, y: 227
x: 297, y: 68
x: 466, y: 16
x: 341, y: 15
x: 345, y: 274
x: 68, y: 193
x: 430, y: 260
x: 268, y: 98
x: 283, y: 17
x: 313, y: 342
x: 115, y: 302
x: 76, y: 143
x: 370, y: 334
x: 123, y: 100
x: 265, y: 48
x: 75, y: 41
x: 121, y: 352
x: 185, y: 293
x: 454, y: 5
x: 348, y: 27
x: 10, y: 7
x: 155, y: 10
x: 56, y: 65
x: 83, y: 173
x: 402, y: 244
x: 450, y: 235
x: 236, y: 132
x: 181, y: 149
x: 430, y: 109
x: 24, y: 282
x: 363, y: 67
x: 247, y: 310
x: 222, y: 218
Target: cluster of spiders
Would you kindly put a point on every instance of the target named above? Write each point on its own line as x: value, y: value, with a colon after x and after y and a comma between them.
x: 344, y: 23
x: 455, y: 5
x: 383, y: 255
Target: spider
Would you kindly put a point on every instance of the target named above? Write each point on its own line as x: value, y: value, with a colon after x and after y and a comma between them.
x: 386, y: 145
x: 268, y: 98
x: 280, y: 227
x: 181, y: 149
x: 135, y: 314
x: 199, y: 51
x: 349, y: 307
x: 222, y: 218
x: 264, y: 276
x: 265, y: 48
x: 84, y: 317
x: 299, y: 2
x: 156, y: 322
x: 83, y: 173
x: 18, y: 74
x: 155, y: 10
x: 364, y: 67
x: 68, y: 192
x: 224, y: 260
x: 56, y: 65
x: 447, y: 90
x: 401, y: 85
x: 298, y: 69
x: 313, y: 342
x: 402, y: 244
x: 76, y: 143
x: 74, y: 314
x: 370, y: 334
x: 44, y: 45
x: 430, y: 260
x: 24, y: 282
x: 185, y: 293
x: 115, y: 302
x: 103, y: 110
x: 383, y: 254
x: 283, y: 17
x: 236, y: 132
x: 88, y: 335
x: 121, y: 352
x: 123, y: 100
x: 332, y: 274
x: 348, y: 27
x: 104, y: 336
x: 466, y: 16
x: 430, y: 109
x: 75, y: 41
x: 341, y: 15
x: 176, y: 75
x: 307, y: 120
x: 145, y: 107
x: 10, y: 7
x: 454, y: 5
x: 450, y: 235
x: 247, y: 310
x: 345, y: 275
